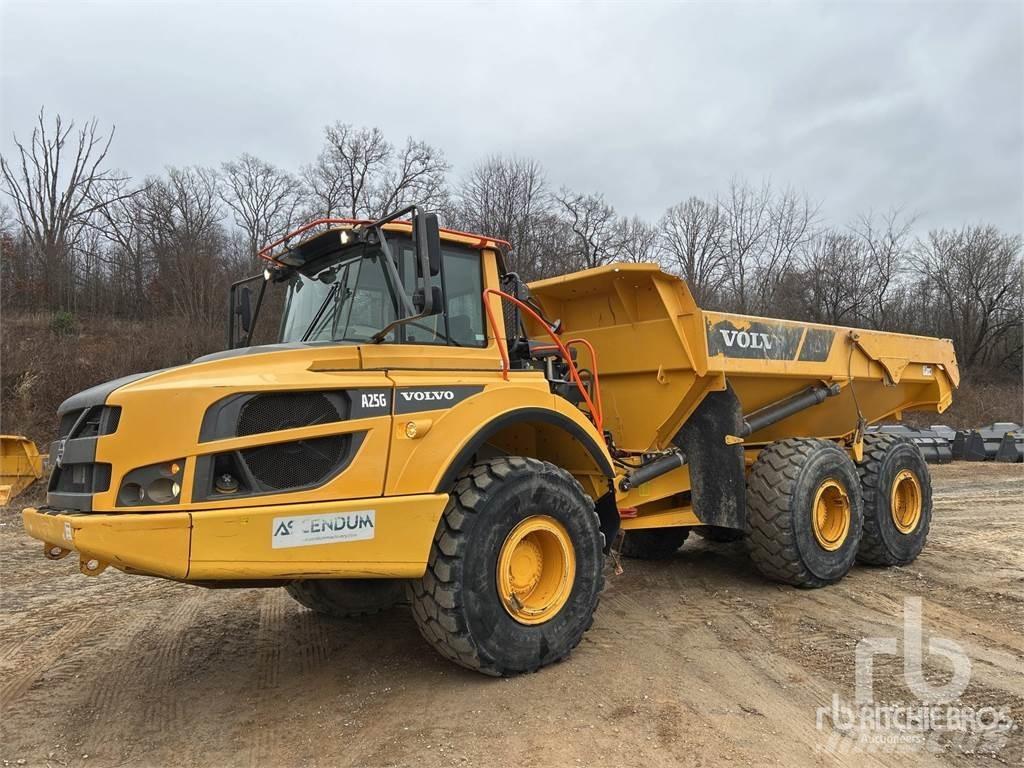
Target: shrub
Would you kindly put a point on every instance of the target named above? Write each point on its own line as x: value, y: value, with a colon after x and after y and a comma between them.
x: 63, y: 323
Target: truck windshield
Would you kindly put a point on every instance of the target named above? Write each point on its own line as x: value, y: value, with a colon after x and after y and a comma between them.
x: 359, y: 298
x: 361, y: 301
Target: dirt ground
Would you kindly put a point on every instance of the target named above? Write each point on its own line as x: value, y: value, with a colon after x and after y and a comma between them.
x: 696, y: 661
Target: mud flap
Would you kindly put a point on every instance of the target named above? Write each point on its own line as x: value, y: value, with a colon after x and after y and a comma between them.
x: 717, y: 477
x: 608, y: 515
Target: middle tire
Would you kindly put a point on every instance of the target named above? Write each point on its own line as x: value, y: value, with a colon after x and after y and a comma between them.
x: 345, y: 598
x: 806, y: 512
x: 515, y: 570
x: 653, y: 543
x: 719, y: 535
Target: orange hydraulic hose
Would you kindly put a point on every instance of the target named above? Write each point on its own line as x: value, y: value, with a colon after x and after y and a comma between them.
x: 597, y: 384
x: 595, y: 410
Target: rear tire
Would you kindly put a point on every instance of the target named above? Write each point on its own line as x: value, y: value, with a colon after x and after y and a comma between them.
x: 653, y: 543
x: 345, y: 598
x: 897, y: 490
x: 806, y: 512
x: 490, y: 606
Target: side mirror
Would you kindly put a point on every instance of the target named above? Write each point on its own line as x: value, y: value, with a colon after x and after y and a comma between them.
x: 243, y: 308
x: 426, y: 236
x: 242, y: 315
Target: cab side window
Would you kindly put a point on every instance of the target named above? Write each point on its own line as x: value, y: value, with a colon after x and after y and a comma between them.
x: 461, y: 282
x: 463, y: 287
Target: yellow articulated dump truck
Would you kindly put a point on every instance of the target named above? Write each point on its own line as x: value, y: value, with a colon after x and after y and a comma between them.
x: 428, y: 429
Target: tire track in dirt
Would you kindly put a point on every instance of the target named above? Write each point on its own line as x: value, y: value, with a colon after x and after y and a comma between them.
x: 696, y: 660
x: 34, y: 665
x: 116, y: 700
x: 272, y: 610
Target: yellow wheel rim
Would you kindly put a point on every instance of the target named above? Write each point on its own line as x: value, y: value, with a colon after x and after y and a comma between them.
x: 830, y: 515
x: 536, y: 570
x: 906, y: 501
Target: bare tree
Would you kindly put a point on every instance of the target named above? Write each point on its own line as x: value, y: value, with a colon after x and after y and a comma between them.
x: 19, y: 281
x: 122, y: 223
x: 593, y: 224
x: 341, y: 177
x: 746, y: 219
x: 791, y: 221
x: 506, y: 197
x: 886, y: 241
x: 417, y: 175
x: 182, y: 216
x: 52, y: 185
x: 555, y: 251
x: 264, y: 200
x: 835, y: 278
x: 638, y: 241
x: 358, y: 174
x: 976, y: 272
x: 692, y: 237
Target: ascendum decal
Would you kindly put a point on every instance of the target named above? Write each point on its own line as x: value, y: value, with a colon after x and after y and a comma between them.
x: 305, y: 530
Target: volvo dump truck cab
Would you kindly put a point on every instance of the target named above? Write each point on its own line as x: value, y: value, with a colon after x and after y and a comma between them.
x: 428, y: 428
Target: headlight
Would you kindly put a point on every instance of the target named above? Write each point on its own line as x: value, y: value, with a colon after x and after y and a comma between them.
x: 154, y: 484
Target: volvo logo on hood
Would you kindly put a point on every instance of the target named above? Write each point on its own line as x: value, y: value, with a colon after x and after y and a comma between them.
x: 413, y: 399
x: 426, y: 396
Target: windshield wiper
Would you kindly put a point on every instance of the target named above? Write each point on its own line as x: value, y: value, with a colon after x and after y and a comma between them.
x: 320, y: 312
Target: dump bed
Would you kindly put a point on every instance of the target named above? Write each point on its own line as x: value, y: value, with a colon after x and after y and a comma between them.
x: 658, y: 355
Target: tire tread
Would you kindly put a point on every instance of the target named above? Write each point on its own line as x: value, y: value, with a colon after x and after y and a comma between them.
x: 434, y: 598
x: 873, y: 550
x: 771, y: 483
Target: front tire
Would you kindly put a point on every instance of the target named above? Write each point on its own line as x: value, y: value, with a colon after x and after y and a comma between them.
x: 345, y: 598
x: 515, y: 570
x: 897, y: 490
x: 805, y: 510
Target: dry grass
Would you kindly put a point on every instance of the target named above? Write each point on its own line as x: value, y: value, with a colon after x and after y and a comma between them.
x: 979, y: 401
x: 41, y: 364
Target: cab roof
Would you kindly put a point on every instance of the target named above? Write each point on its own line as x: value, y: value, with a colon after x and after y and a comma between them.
x: 324, y: 236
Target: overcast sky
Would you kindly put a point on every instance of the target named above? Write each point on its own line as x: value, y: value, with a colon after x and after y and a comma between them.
x: 860, y: 105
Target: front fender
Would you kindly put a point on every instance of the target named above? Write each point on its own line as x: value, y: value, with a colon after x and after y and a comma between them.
x: 430, y: 462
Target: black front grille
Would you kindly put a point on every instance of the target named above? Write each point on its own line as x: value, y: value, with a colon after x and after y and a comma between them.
x: 113, y: 419
x: 282, y: 466
x: 80, y: 478
x: 99, y: 420
x: 297, y: 463
x: 82, y: 420
x: 286, y: 410
x: 67, y: 421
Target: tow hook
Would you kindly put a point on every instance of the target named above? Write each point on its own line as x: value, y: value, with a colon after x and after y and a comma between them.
x: 54, y: 552
x: 91, y: 566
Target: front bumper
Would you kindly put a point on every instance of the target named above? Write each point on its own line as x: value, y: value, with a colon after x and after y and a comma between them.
x: 386, y: 537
